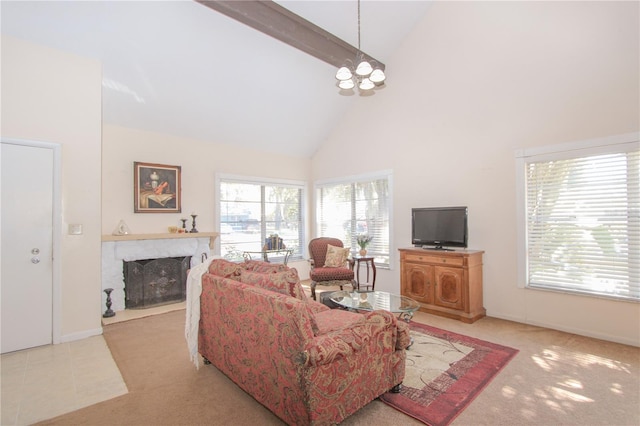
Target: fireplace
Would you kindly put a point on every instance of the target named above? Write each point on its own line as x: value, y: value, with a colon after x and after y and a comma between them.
x: 117, y: 249
x: 153, y: 282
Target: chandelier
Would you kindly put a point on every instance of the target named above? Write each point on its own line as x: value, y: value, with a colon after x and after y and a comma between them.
x: 366, y: 76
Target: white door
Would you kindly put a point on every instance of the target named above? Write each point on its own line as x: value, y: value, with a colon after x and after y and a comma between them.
x: 26, y: 282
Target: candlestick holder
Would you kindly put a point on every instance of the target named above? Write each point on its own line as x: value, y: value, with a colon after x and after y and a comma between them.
x: 108, y: 313
x: 184, y: 224
x: 193, y: 224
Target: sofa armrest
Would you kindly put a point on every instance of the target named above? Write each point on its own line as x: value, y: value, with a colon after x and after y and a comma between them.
x: 326, y: 348
x: 316, y: 307
x: 403, y: 340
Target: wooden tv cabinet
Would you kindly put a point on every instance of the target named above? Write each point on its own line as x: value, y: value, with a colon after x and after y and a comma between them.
x: 445, y: 283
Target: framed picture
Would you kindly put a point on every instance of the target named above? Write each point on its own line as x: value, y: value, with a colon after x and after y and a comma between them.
x: 157, y: 188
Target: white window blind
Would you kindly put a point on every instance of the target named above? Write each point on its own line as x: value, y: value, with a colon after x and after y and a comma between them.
x: 582, y: 223
x: 356, y: 206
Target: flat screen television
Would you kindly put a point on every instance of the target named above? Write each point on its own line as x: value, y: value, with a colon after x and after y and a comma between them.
x: 439, y: 227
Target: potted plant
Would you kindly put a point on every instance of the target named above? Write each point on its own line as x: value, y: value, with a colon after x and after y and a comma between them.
x: 363, y: 241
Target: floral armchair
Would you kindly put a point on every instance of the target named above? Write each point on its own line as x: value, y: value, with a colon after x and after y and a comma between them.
x: 330, y: 264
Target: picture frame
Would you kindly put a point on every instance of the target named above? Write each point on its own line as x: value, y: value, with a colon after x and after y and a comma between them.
x: 157, y: 188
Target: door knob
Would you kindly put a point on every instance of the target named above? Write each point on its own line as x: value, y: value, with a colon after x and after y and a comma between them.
x: 35, y: 260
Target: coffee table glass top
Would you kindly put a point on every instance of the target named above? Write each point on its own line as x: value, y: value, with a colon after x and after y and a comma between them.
x: 372, y: 300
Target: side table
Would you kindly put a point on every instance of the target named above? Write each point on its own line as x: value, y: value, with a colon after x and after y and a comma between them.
x: 371, y: 272
x: 264, y: 253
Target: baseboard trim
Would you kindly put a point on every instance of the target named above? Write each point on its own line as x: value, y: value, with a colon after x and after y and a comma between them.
x: 580, y: 332
x: 81, y: 335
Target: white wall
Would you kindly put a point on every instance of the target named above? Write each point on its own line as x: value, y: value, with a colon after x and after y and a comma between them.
x: 199, y: 162
x: 471, y: 84
x: 52, y: 96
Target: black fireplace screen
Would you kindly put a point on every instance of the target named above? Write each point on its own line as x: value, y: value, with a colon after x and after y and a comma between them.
x: 155, y: 281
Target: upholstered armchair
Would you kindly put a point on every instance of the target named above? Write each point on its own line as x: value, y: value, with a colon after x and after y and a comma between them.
x: 334, y: 272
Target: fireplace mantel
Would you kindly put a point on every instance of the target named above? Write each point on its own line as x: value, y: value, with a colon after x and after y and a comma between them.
x: 131, y: 247
x: 134, y: 237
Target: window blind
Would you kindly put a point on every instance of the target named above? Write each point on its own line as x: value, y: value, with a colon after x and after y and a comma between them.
x: 583, y: 227
x: 359, y: 206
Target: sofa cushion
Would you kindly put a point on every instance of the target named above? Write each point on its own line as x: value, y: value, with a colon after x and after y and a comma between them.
x: 265, y: 267
x: 225, y: 268
x: 316, y: 306
x: 285, y: 282
x: 336, y: 319
x: 336, y: 256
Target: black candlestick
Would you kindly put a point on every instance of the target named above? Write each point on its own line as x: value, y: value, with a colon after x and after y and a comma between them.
x: 108, y: 313
x: 184, y: 224
x: 193, y: 225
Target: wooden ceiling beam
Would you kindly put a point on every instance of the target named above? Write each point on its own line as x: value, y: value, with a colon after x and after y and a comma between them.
x: 278, y: 22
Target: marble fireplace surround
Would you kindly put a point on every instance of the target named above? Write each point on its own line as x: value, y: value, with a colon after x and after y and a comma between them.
x: 119, y: 248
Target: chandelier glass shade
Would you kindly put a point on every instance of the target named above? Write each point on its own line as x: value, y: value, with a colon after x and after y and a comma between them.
x: 365, y: 75
x: 346, y: 84
x: 364, y: 69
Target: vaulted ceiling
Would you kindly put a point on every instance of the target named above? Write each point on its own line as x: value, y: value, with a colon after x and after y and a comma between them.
x: 181, y: 68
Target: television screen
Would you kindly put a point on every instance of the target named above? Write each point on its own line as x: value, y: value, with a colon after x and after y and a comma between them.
x: 439, y: 227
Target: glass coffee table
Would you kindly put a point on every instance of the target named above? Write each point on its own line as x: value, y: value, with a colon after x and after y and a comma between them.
x: 374, y: 300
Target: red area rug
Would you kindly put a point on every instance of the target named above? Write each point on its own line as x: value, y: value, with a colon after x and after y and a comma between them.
x: 445, y: 372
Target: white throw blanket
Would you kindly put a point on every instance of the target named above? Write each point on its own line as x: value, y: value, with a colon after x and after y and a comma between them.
x: 194, y: 289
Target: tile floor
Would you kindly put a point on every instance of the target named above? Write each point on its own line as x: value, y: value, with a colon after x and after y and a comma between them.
x: 47, y: 381
x: 44, y: 382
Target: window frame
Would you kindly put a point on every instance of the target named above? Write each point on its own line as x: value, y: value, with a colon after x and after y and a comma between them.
x: 262, y: 181
x: 351, y: 180
x: 608, y: 145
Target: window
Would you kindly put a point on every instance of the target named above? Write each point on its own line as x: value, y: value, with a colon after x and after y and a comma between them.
x: 580, y: 227
x: 355, y: 206
x: 252, y: 210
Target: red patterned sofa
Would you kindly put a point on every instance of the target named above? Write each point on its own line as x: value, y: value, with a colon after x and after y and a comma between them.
x: 308, y: 364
